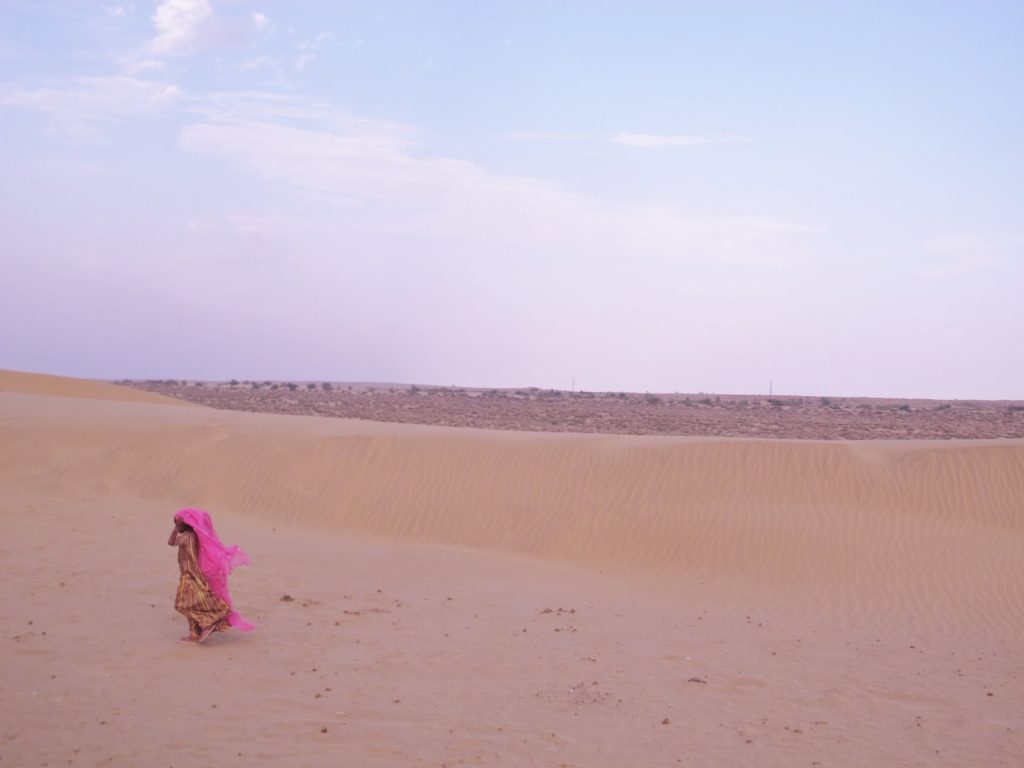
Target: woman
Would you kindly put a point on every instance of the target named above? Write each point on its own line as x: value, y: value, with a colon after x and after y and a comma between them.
x: 205, y: 563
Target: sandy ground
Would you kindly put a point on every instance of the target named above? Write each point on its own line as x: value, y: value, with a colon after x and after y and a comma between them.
x: 464, y: 597
x: 62, y: 386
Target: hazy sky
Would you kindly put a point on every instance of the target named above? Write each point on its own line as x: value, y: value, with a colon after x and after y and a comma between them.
x: 646, y: 196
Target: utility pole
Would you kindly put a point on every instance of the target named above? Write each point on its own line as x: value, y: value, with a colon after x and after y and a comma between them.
x: 769, y: 387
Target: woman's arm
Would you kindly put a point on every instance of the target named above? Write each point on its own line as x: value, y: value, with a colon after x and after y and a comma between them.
x: 176, y: 532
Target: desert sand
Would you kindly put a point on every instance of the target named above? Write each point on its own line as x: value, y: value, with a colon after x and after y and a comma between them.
x: 441, y: 596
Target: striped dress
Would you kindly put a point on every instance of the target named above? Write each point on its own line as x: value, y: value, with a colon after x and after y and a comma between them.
x: 195, y: 601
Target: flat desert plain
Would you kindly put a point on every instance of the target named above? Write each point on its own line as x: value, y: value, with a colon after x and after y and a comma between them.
x: 532, y: 409
x: 450, y: 596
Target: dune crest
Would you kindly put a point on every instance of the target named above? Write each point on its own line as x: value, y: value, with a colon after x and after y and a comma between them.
x: 48, y: 385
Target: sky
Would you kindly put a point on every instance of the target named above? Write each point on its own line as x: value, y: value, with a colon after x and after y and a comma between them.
x: 639, y: 196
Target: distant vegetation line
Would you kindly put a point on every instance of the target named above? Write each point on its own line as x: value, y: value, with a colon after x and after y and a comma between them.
x: 554, y: 410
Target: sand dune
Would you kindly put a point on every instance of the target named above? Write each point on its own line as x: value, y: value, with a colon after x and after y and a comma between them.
x: 64, y: 386
x: 936, y: 528
x: 846, y: 558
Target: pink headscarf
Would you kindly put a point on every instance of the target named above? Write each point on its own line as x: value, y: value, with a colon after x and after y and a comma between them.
x: 215, y: 560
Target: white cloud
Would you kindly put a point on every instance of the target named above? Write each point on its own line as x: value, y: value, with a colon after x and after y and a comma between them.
x: 84, y: 102
x: 379, y: 170
x: 258, y: 63
x: 119, y: 11
x: 360, y: 160
x: 301, y: 61
x: 316, y: 41
x: 661, y: 141
x: 308, y: 50
x: 260, y: 21
x: 265, y: 106
x: 178, y: 23
x: 547, y: 136
x: 167, y: 93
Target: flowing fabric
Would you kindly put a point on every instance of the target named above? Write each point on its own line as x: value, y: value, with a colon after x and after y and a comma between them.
x: 216, y: 561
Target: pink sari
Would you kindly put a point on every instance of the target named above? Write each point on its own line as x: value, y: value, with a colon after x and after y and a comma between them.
x: 216, y: 561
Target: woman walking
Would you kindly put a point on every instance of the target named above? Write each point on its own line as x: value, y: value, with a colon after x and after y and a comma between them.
x: 205, y: 563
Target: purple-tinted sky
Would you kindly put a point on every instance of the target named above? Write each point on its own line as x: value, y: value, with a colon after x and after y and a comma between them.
x: 652, y: 196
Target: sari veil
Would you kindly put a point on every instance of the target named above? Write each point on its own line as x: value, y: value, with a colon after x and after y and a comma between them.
x: 216, y: 560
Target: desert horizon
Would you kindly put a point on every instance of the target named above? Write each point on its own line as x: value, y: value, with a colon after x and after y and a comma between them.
x: 534, y: 409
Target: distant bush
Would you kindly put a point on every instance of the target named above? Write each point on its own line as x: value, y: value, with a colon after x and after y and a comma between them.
x: 233, y: 382
x: 651, y: 399
x: 705, y: 401
x: 292, y: 386
x: 311, y: 385
x: 826, y: 402
x: 903, y: 407
x: 254, y: 385
x: 776, y: 401
x: 943, y: 407
x: 1015, y: 408
x: 744, y: 403
x: 326, y: 386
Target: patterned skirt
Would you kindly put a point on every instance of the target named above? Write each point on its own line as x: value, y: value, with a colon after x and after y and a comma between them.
x: 195, y: 601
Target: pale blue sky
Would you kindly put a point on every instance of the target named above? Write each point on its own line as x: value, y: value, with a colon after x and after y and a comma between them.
x: 638, y: 196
